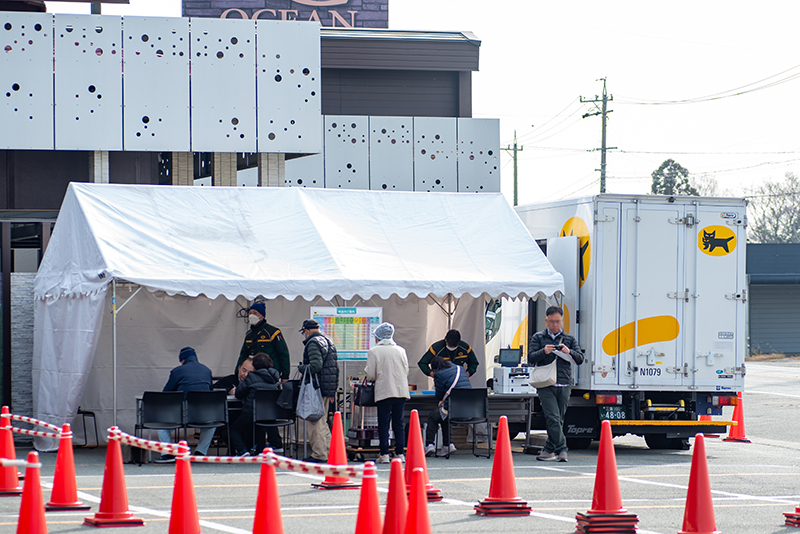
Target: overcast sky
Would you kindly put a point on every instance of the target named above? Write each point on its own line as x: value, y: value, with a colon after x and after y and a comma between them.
x: 538, y: 58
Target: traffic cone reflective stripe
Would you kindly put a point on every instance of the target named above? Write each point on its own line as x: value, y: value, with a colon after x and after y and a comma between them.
x: 31, y: 509
x: 415, y: 457
x: 268, y: 519
x: 369, y: 509
x: 113, y: 510
x: 64, y: 495
x: 606, y: 513
x: 183, y: 517
x: 736, y: 432
x: 503, y: 498
x: 337, y: 455
x: 9, y: 476
x: 698, y: 516
x: 418, y: 521
x: 394, y: 522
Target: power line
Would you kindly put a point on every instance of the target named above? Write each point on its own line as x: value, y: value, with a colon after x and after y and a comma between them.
x: 737, y: 91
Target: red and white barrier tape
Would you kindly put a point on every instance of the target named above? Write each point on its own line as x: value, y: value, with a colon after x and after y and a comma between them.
x: 5, y: 462
x: 280, y: 462
x: 27, y: 432
x: 37, y: 422
x: 175, y: 449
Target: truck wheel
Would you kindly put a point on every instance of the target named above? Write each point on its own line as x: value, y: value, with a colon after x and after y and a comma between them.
x: 579, y: 443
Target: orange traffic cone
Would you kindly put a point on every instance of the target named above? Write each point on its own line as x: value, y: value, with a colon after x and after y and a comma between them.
x: 369, y: 509
x: 268, y: 519
x: 183, y: 517
x: 736, y: 432
x: 418, y: 521
x: 65, y: 487
x: 503, y: 498
x: 9, y: 476
x: 394, y: 522
x: 708, y: 418
x: 793, y: 518
x: 606, y: 513
x: 31, y: 510
x: 415, y: 457
x: 337, y: 455
x: 698, y: 516
x: 113, y: 511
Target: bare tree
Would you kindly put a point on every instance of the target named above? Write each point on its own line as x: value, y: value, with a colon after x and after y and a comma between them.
x: 775, y: 211
x: 708, y: 186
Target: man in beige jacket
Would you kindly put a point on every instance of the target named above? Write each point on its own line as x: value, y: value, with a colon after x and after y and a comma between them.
x: 387, y: 366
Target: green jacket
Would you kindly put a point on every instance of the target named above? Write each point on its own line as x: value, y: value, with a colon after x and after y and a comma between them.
x: 268, y: 339
x: 463, y: 354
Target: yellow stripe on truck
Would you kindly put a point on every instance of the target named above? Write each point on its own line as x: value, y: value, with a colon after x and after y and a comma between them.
x: 651, y: 330
x: 671, y: 423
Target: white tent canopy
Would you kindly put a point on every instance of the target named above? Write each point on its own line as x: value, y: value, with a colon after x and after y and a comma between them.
x: 263, y: 242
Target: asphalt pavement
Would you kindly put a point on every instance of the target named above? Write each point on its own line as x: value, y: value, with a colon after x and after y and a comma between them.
x: 752, y: 484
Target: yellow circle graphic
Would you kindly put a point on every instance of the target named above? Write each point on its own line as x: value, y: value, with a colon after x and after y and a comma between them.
x: 575, y: 226
x: 716, y: 240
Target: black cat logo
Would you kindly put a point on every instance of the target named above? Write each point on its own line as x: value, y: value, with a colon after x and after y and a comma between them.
x: 710, y: 241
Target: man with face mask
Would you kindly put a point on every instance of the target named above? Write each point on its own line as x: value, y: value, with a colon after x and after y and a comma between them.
x: 263, y: 337
x: 453, y: 349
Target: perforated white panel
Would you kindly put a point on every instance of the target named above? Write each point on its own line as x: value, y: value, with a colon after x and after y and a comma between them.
x: 223, y: 85
x: 346, y: 152
x: 288, y: 77
x: 26, y: 80
x: 156, y: 83
x: 479, y: 155
x: 88, y: 80
x: 391, y: 154
x: 308, y: 171
x: 435, y: 154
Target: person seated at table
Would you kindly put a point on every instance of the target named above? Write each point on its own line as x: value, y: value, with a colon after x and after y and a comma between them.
x: 263, y: 376
x: 446, y: 377
x: 190, y: 375
x: 229, y: 383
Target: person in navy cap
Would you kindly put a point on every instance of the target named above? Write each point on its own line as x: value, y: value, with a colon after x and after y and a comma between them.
x: 263, y: 337
x: 190, y: 375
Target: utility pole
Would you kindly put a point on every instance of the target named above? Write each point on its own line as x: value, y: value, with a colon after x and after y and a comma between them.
x: 513, y: 149
x: 604, y: 112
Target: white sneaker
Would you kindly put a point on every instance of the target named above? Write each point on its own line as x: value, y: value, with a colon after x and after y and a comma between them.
x: 383, y: 459
x: 444, y: 451
x: 401, y: 457
x: 430, y: 450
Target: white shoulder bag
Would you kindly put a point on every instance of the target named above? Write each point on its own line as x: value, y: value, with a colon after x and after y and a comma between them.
x: 544, y: 376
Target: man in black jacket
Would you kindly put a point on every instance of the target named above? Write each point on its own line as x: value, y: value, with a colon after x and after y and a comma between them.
x: 263, y: 376
x: 319, y: 355
x: 263, y: 337
x: 451, y: 348
x: 546, y: 346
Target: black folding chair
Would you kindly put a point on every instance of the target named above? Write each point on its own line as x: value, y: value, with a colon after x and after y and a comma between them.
x: 207, y: 409
x: 162, y: 410
x: 267, y: 413
x: 470, y: 407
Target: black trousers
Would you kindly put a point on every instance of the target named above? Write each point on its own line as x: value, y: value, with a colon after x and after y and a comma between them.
x: 241, y: 435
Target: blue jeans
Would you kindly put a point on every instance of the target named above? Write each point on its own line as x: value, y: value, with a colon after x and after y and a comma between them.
x: 206, y: 435
x: 554, y: 405
x: 391, y: 409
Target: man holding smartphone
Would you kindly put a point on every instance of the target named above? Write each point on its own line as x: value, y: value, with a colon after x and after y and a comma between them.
x: 551, y: 344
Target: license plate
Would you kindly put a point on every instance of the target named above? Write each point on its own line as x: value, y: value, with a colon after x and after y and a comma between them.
x: 613, y: 412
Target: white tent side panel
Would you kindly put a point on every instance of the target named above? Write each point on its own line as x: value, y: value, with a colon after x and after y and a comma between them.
x: 66, y: 332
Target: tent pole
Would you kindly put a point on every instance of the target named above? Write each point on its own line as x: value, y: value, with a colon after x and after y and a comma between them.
x: 114, y: 341
x: 449, y: 311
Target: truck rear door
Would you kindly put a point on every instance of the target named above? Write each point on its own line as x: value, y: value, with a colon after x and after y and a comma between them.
x: 652, y: 295
x: 715, y: 251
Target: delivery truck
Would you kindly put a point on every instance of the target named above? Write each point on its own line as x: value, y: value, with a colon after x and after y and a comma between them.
x: 655, y: 293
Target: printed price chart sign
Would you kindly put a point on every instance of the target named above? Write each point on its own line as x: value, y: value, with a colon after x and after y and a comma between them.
x: 350, y: 329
